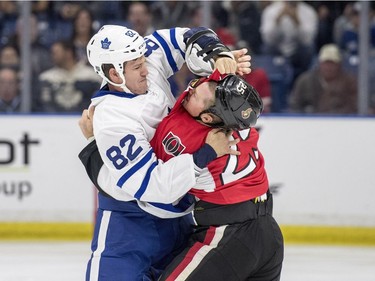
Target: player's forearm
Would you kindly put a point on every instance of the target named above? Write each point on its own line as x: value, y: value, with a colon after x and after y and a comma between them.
x: 156, y: 181
x: 150, y: 179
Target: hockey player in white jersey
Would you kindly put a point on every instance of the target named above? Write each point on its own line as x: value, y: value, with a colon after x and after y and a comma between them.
x: 142, y: 199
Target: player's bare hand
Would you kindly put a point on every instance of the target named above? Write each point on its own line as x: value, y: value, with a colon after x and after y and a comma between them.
x: 243, y: 61
x: 86, y: 122
x: 220, y: 141
x: 226, y: 65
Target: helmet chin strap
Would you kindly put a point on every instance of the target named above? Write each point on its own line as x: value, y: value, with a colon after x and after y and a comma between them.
x: 122, y: 85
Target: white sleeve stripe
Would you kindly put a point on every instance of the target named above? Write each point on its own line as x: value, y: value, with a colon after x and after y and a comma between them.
x: 135, y: 168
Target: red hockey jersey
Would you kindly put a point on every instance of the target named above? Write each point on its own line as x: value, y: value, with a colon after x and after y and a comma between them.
x: 229, y: 179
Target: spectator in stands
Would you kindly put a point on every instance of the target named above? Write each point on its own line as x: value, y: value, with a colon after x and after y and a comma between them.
x: 259, y: 79
x: 342, y: 22
x: 41, y: 8
x: 196, y: 16
x: 40, y: 59
x: 288, y: 28
x: 10, y: 100
x: 326, y: 89
x: 67, y: 10
x: 43, y: 11
x: 9, y: 56
x: 140, y: 18
x: 8, y: 16
x: 106, y: 12
x: 69, y: 85
x: 220, y: 24
x: 349, y: 41
x: 83, y: 30
x: 168, y: 14
x: 64, y: 13
x: 326, y: 16
x: 245, y: 16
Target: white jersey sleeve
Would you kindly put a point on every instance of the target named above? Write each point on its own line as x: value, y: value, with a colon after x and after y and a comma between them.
x: 166, y: 50
x: 165, y: 56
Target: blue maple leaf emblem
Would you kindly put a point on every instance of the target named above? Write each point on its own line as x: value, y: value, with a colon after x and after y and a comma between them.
x: 106, y: 43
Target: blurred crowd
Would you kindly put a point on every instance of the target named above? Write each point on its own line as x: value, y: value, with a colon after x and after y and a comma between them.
x: 305, y: 54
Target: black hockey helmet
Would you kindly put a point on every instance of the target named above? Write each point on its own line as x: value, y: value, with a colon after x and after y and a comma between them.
x: 237, y: 103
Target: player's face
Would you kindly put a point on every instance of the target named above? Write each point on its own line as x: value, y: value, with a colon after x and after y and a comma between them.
x: 199, y: 99
x: 136, y: 75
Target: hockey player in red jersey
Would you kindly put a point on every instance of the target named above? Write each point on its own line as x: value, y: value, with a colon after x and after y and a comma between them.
x: 236, y: 237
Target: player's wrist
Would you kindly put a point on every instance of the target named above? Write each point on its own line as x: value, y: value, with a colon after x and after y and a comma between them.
x: 204, y: 156
x: 225, y: 54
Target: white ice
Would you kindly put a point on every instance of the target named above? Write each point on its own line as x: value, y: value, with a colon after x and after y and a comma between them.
x: 66, y: 261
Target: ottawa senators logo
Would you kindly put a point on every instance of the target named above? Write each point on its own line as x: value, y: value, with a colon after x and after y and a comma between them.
x: 172, y: 144
x: 246, y: 113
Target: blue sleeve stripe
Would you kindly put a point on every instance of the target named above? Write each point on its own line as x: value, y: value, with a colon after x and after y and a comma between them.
x: 117, y: 94
x: 167, y: 51
x: 174, y: 41
x: 185, y: 203
x: 135, y: 168
x: 145, y: 182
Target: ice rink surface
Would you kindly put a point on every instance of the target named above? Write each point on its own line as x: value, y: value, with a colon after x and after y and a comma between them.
x: 66, y: 261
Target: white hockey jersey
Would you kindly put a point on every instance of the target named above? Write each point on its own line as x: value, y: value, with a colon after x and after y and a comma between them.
x: 125, y: 123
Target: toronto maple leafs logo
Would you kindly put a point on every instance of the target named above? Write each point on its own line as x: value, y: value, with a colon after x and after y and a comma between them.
x: 105, y: 43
